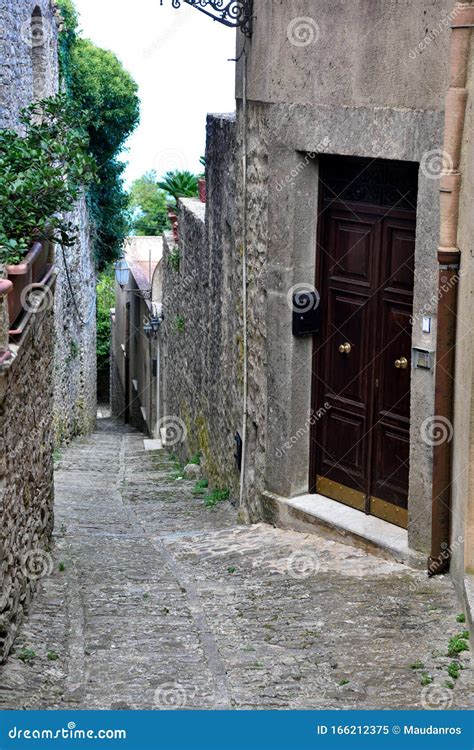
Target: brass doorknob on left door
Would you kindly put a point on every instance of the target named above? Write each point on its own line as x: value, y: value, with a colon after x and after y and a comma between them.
x: 401, y: 364
x: 345, y: 348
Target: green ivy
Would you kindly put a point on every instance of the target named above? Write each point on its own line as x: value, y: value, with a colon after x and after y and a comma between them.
x: 106, y: 93
x: 105, y: 301
x: 174, y: 259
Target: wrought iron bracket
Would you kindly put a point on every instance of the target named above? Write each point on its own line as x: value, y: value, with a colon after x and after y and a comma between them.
x: 237, y: 14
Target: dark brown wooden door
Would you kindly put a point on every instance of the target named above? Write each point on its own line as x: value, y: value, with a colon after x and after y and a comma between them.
x: 360, y: 446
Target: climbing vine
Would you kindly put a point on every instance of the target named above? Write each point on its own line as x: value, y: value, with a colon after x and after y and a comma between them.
x: 106, y: 94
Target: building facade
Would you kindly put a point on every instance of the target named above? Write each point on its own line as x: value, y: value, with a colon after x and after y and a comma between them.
x: 350, y: 242
x: 135, y: 345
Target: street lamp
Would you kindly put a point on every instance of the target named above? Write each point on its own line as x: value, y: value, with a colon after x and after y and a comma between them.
x: 152, y: 326
x: 122, y: 272
x: 237, y: 14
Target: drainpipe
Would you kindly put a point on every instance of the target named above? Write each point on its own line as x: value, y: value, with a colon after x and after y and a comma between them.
x: 449, y: 259
x: 243, y: 511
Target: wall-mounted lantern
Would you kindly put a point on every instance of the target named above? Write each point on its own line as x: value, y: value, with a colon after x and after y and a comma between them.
x: 152, y: 326
x: 237, y: 14
x: 122, y: 272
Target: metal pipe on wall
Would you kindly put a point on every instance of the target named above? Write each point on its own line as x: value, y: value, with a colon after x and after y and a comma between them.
x: 449, y: 261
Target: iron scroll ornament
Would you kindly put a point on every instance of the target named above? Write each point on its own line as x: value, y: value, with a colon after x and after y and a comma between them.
x: 237, y: 14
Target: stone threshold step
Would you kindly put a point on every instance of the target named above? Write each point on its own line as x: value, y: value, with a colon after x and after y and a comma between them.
x: 317, y: 514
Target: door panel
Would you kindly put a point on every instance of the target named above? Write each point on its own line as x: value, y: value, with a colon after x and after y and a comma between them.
x: 343, y: 374
x: 362, y: 357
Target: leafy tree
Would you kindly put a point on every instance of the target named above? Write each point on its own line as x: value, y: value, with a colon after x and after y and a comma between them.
x: 42, y: 174
x: 107, y: 95
x: 148, y: 203
x: 180, y: 185
x: 105, y: 300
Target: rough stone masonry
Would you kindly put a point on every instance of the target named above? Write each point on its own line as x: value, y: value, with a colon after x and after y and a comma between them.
x: 29, y: 71
x: 47, y: 391
x: 26, y: 472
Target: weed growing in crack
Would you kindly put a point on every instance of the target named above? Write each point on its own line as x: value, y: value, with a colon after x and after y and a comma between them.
x: 458, y: 643
x: 215, y: 497
x: 200, y: 487
x: 27, y: 655
x: 454, y: 670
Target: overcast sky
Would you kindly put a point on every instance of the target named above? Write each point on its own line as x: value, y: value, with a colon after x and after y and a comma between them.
x: 179, y: 58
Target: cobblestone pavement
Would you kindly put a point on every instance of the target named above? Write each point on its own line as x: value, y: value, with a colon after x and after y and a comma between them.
x: 157, y: 601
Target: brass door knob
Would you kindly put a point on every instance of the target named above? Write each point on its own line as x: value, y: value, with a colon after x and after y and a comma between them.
x: 345, y: 348
x: 401, y: 364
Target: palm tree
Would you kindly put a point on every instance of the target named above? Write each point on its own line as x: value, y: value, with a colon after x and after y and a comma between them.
x: 180, y: 185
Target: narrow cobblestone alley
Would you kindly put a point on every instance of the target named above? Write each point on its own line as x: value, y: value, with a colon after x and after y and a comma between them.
x: 157, y: 601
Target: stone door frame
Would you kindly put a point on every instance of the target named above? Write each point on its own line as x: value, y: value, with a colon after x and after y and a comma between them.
x: 298, y: 134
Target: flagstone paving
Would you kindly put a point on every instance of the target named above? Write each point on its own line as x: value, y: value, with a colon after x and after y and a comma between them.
x: 157, y: 601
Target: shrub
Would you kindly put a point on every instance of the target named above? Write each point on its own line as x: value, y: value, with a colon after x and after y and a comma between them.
x: 42, y: 174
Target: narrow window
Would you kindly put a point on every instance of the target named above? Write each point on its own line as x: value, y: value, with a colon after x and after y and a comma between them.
x: 38, y: 53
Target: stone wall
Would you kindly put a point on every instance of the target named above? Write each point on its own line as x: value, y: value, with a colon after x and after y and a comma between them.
x: 312, y: 90
x: 75, y: 364
x: 48, y: 390
x: 29, y: 71
x: 26, y: 472
x: 28, y: 55
x: 201, y: 338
